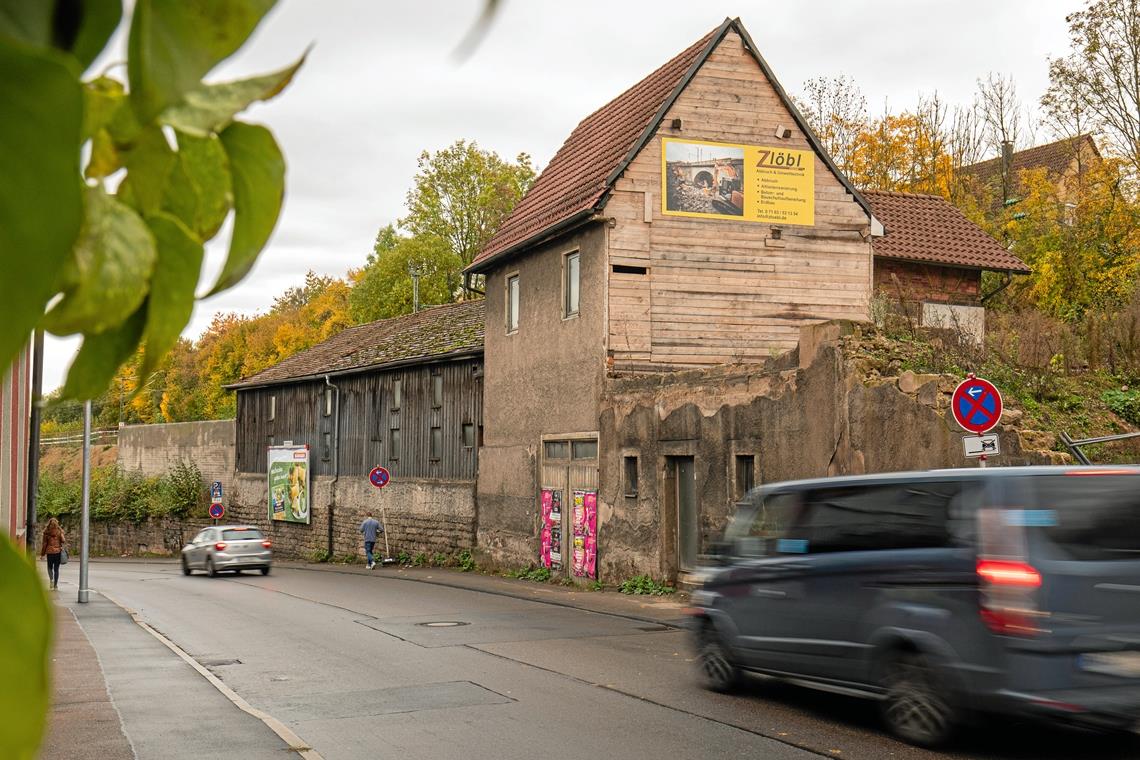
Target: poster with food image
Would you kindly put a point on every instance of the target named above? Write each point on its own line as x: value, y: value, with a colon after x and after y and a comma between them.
x: 289, y: 484
x: 752, y: 183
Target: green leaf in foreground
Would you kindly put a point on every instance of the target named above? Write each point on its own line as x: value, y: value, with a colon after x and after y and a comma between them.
x: 100, y: 356
x: 107, y: 278
x: 25, y: 639
x: 200, y: 192
x: 174, y: 44
x: 258, y: 170
x: 172, y: 289
x: 41, y: 200
x: 212, y: 107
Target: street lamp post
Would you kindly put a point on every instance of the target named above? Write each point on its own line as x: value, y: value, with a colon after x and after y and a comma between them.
x: 85, y: 523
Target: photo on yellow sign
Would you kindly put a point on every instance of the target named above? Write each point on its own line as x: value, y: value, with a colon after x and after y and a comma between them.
x: 750, y: 183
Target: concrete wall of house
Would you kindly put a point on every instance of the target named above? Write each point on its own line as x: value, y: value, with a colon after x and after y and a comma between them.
x: 153, y: 449
x: 812, y: 413
x: 15, y: 408
x: 717, y: 290
x: 911, y: 282
x: 544, y: 379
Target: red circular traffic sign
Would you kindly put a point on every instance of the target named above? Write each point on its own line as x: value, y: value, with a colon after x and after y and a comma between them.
x: 379, y: 477
x: 217, y: 511
x: 976, y: 405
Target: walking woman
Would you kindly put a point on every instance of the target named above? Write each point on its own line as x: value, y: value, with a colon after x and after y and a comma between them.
x: 52, y: 546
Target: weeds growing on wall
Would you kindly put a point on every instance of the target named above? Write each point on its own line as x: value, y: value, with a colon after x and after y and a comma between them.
x: 117, y: 495
x: 644, y: 585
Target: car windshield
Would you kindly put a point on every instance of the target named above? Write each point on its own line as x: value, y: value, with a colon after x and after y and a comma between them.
x: 1088, y: 517
x: 241, y: 534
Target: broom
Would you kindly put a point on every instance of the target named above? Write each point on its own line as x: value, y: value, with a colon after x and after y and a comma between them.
x: 387, y: 559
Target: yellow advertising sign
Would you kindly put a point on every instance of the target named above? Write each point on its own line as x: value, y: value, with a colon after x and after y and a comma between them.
x: 749, y: 183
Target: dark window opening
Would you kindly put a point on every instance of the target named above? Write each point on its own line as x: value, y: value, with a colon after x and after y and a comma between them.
x: 326, y: 446
x: 468, y: 435
x: 557, y: 450
x: 584, y: 449
x: 397, y: 393
x: 436, y: 443
x: 745, y: 474
x: 394, y: 444
x: 631, y: 476
x: 626, y: 269
x: 437, y: 389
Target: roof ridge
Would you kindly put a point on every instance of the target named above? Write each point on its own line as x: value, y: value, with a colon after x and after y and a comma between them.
x: 903, y: 194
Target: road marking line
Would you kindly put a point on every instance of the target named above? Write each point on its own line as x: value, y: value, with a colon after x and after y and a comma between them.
x: 296, y: 743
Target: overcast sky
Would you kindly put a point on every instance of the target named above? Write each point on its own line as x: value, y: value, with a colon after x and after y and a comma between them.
x: 381, y: 85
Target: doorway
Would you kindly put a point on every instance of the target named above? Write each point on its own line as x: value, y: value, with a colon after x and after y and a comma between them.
x: 569, y: 471
x: 681, y: 491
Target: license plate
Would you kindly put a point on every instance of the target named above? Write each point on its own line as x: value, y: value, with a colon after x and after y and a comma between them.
x: 1123, y: 664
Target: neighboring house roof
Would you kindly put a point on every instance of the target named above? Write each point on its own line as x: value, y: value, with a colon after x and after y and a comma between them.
x: 929, y: 229
x: 438, y: 332
x: 578, y: 180
x: 1057, y: 157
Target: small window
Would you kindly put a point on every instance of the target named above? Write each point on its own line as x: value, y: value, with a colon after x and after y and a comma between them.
x: 570, y: 286
x: 557, y: 450
x: 394, y: 443
x: 585, y: 449
x: 631, y: 477
x: 627, y: 269
x: 512, y: 303
x: 436, y: 443
x: 328, y: 402
x: 326, y: 445
x: 437, y: 389
x: 272, y: 440
x: 745, y: 474
x: 272, y: 408
x: 397, y: 393
x: 468, y: 435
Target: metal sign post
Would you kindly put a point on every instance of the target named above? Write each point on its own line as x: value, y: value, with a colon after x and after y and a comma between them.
x: 85, y: 523
x: 380, y: 477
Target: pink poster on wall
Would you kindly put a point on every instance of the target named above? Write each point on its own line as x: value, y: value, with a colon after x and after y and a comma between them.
x: 551, y: 529
x: 585, y: 526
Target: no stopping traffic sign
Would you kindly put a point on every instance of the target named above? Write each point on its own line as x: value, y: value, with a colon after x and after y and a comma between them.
x: 976, y: 405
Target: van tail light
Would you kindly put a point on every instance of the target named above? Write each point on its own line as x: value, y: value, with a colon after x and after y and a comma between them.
x: 220, y: 546
x: 1009, y: 596
x: 267, y: 544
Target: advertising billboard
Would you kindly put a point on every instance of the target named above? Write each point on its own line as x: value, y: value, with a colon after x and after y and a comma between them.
x: 289, y: 484
x: 750, y: 183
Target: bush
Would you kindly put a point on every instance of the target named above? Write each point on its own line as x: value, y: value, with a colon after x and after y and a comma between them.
x: 644, y: 585
x: 465, y: 561
x: 182, y: 491
x: 1124, y: 403
x: 117, y: 495
x: 56, y: 497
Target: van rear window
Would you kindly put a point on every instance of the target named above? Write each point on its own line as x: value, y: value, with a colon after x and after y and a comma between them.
x: 241, y: 534
x: 1097, y: 517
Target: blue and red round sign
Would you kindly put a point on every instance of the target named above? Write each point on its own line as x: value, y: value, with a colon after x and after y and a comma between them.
x: 976, y: 405
x: 217, y: 511
x: 379, y: 477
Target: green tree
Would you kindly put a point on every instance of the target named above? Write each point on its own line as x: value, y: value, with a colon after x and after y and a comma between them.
x: 383, y: 288
x: 462, y: 194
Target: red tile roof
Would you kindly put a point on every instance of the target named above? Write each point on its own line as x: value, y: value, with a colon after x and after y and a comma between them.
x: 929, y: 229
x: 576, y: 182
x: 1055, y: 156
x: 435, y: 333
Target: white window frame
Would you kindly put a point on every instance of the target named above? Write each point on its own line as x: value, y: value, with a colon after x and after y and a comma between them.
x: 509, y: 313
x: 575, y: 254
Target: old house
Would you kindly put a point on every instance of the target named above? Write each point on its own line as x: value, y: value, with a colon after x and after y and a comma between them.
x: 930, y: 261
x: 1065, y: 161
x: 402, y: 393
x: 693, y: 221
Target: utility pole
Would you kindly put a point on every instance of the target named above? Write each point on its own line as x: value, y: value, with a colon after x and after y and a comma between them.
x: 34, y: 442
x: 85, y: 524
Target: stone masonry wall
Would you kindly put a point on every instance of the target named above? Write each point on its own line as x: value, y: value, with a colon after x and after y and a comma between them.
x: 152, y: 449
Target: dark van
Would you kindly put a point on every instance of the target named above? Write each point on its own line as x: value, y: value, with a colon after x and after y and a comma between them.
x: 1011, y: 590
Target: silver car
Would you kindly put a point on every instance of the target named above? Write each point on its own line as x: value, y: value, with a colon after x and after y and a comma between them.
x: 228, y: 547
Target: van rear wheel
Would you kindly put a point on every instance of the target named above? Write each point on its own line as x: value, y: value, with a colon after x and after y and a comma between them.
x: 917, y: 706
x: 718, y: 672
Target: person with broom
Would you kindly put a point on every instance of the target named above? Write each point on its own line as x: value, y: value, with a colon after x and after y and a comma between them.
x: 370, y: 528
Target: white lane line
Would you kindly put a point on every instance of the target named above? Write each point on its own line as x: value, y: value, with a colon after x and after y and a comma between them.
x: 296, y: 743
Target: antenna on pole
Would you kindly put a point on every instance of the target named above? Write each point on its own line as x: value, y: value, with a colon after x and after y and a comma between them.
x: 415, y: 272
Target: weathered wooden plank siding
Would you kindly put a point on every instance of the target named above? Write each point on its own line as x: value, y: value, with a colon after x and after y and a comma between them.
x: 367, y: 417
x: 714, y: 290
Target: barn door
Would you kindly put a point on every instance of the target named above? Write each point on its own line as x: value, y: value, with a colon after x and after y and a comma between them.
x: 568, y: 507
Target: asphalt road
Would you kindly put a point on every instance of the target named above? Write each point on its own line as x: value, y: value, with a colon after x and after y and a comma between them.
x: 377, y: 666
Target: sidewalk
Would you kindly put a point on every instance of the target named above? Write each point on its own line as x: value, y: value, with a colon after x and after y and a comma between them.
x: 114, y: 680
x: 83, y: 722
